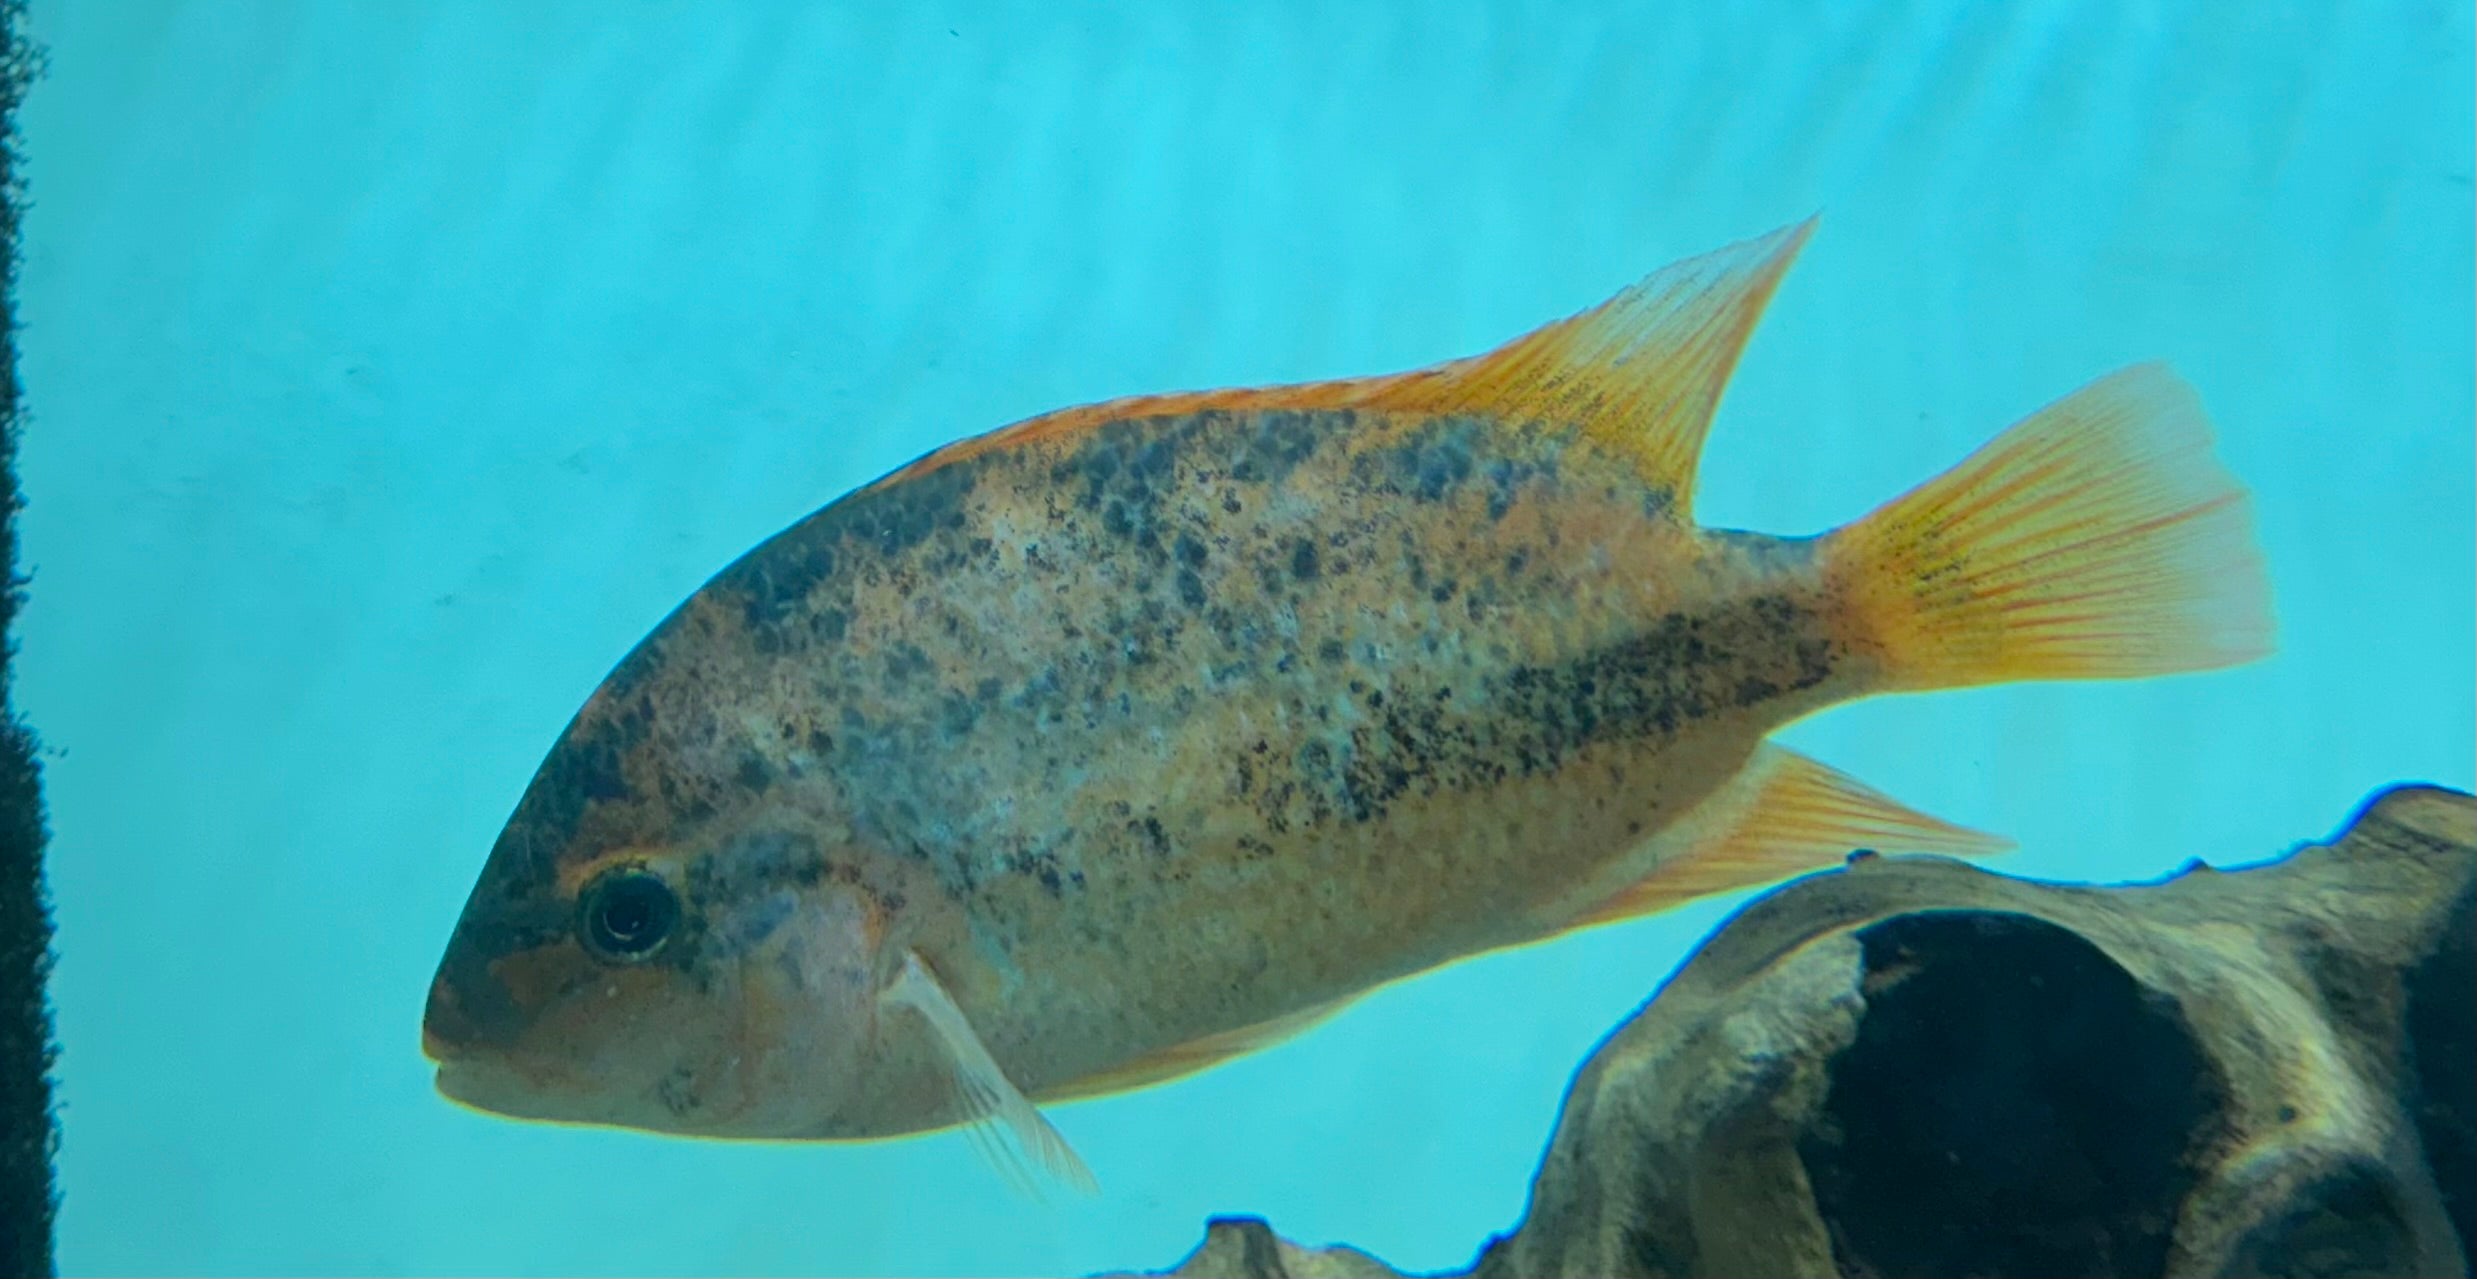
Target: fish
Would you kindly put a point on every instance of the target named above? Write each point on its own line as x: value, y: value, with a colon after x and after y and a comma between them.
x: 1081, y: 755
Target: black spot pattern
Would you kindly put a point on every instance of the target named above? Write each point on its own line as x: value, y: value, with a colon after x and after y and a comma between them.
x: 959, y: 682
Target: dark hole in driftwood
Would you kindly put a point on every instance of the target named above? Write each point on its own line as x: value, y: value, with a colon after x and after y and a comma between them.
x: 2442, y: 1048
x: 2014, y: 1104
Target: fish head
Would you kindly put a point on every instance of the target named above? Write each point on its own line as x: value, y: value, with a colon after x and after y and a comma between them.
x: 703, y: 980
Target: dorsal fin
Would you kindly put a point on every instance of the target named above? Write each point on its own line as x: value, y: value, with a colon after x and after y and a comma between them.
x: 1192, y: 1056
x: 1784, y: 815
x: 1642, y: 372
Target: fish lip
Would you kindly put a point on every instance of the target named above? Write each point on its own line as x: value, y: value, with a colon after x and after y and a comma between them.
x: 442, y: 1078
x: 434, y: 1049
x: 500, y: 1090
x: 446, y: 1033
x: 468, y: 1082
x: 453, y: 1081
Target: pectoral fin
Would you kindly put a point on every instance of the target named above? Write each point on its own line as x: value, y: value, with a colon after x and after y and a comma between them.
x: 1784, y: 815
x: 1004, y: 1124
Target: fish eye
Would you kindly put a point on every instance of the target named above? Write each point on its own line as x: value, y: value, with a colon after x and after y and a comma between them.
x: 627, y: 915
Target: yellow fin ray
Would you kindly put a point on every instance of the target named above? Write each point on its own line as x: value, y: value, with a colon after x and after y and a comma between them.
x: 1786, y: 814
x: 2097, y: 539
x: 1196, y: 1054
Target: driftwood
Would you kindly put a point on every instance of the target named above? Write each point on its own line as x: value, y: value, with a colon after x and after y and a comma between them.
x: 1913, y: 1067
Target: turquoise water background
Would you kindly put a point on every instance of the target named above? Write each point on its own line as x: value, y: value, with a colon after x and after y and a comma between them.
x: 395, y: 367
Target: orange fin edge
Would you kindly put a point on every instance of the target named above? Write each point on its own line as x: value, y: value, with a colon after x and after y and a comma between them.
x: 1641, y: 373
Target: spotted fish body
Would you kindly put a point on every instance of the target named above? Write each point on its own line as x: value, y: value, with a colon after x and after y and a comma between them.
x: 1131, y: 736
x: 1152, y: 716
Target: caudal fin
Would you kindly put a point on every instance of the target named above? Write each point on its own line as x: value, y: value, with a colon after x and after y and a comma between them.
x: 2098, y: 539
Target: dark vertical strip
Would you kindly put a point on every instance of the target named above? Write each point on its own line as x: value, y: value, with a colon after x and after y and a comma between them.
x: 28, y: 1135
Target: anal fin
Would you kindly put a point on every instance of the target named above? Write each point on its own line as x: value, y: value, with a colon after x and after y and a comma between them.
x: 1784, y: 815
x: 1194, y: 1055
x: 1008, y: 1129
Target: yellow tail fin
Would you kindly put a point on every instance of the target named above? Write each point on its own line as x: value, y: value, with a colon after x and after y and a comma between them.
x: 2097, y: 539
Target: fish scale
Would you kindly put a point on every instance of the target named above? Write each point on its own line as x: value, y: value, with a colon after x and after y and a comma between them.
x: 1086, y: 753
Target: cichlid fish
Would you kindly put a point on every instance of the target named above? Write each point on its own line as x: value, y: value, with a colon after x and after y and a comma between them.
x: 1084, y: 754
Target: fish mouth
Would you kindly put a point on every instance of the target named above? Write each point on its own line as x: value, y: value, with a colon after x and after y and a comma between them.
x: 492, y: 1088
x: 460, y: 1083
x: 434, y: 1047
x: 475, y: 1070
x: 454, y: 1081
x: 499, y: 1090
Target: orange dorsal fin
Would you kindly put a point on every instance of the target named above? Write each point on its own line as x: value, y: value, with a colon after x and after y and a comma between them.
x: 1785, y: 815
x: 1187, y: 1058
x: 1641, y: 373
